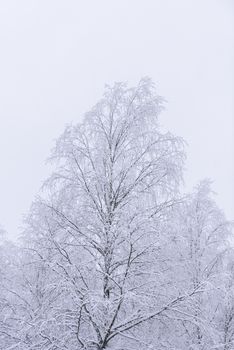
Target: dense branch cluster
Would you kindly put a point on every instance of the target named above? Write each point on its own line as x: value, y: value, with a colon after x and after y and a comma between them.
x: 113, y: 255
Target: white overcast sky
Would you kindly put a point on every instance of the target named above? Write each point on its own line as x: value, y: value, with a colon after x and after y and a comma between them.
x: 57, y: 55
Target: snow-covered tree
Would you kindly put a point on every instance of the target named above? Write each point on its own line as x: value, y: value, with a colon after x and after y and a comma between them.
x: 116, y: 174
x: 200, y: 233
x: 113, y: 256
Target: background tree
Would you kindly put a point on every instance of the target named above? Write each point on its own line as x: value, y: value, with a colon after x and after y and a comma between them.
x: 200, y: 235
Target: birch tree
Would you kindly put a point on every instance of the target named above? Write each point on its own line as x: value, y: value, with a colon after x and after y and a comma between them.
x: 116, y: 173
x: 201, y: 245
x: 113, y: 256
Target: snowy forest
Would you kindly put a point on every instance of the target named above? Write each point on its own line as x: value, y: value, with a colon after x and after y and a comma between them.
x: 114, y: 253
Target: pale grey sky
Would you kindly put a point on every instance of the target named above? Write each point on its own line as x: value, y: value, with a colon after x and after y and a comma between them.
x: 57, y: 55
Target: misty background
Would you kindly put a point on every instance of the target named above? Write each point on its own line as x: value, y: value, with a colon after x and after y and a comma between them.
x: 57, y: 55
